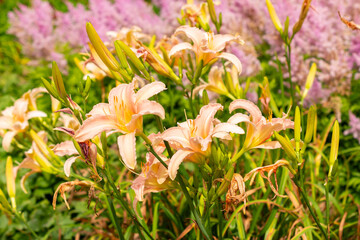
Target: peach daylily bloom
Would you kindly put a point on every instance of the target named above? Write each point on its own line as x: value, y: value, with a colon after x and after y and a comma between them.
x: 154, y: 176
x: 207, y: 46
x: 192, y: 139
x: 15, y: 120
x: 259, y: 129
x: 124, y: 114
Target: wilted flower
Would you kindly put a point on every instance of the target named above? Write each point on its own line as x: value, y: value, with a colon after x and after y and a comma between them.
x: 192, y: 139
x: 236, y: 193
x: 67, y: 186
x: 124, y: 114
x: 270, y: 169
x: 259, y: 129
x: 88, y: 154
x: 207, y: 46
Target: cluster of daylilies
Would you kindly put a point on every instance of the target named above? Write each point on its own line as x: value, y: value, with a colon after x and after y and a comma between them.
x: 199, y: 161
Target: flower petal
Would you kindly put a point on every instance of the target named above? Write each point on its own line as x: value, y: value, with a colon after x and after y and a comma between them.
x: 99, y: 109
x: 248, y: 106
x: 34, y: 114
x: 5, y: 122
x: 150, y: 107
x: 239, y: 118
x: 94, y: 126
x: 176, y: 135
x: 67, y: 165
x: 65, y: 148
x: 227, y: 127
x: 220, y: 41
x: 127, y: 148
x: 6, y: 143
x: 149, y: 90
x: 233, y: 59
x: 195, y: 34
x: 269, y: 145
x: 204, y: 121
x: 180, y: 47
x: 124, y: 95
x: 175, y: 162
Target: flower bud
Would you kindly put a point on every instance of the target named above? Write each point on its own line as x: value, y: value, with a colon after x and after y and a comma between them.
x: 309, y: 80
x: 59, y: 83
x: 105, y: 55
x: 274, y: 17
x: 334, y: 148
x: 133, y: 58
x: 205, y: 98
x: 297, y: 128
x: 46, y: 151
x: 123, y: 62
x: 212, y: 12
x: 10, y: 181
x: 310, y: 125
x: 304, y: 11
x: 287, y: 146
x: 51, y: 90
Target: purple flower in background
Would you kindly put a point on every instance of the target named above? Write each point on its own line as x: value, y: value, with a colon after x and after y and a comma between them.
x: 354, y: 123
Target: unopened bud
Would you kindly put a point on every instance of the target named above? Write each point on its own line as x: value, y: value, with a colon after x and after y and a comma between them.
x: 287, y: 146
x: 105, y: 55
x: 205, y: 97
x: 334, y: 147
x: 133, y: 58
x: 304, y: 11
x: 10, y: 181
x: 4, y: 202
x: 212, y: 12
x: 310, y: 125
x: 309, y: 80
x: 297, y: 128
x: 274, y: 17
x: 59, y: 83
x: 46, y: 151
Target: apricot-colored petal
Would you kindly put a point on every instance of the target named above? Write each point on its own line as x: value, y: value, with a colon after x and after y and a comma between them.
x: 67, y: 165
x: 8, y: 137
x: 34, y: 114
x: 248, y: 106
x: 23, y: 179
x: 239, y: 118
x: 180, y: 47
x: 176, y: 135
x: 65, y: 148
x: 150, y: 107
x: 233, y: 59
x: 5, y: 122
x: 149, y: 90
x: 94, y: 126
x: 175, y: 162
x: 228, y: 128
x: 204, y: 121
x: 195, y: 34
x: 269, y: 145
x: 99, y: 109
x: 122, y: 94
x: 220, y: 41
x: 138, y: 185
x: 127, y: 148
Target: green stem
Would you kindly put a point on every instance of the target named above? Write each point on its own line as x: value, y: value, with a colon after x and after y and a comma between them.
x: 124, y: 204
x: 183, y: 188
x: 22, y: 219
x: 309, y: 207
x: 288, y: 62
x: 327, y: 208
x: 113, y: 217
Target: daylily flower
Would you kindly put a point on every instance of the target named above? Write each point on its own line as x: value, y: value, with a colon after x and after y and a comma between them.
x: 124, y: 114
x: 192, y: 139
x: 154, y: 176
x: 15, y: 120
x: 196, y: 13
x: 259, y: 129
x: 217, y: 84
x: 207, y: 46
x: 32, y: 95
x: 130, y: 36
